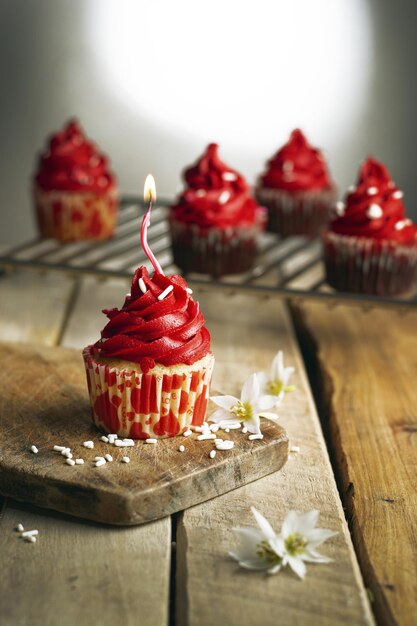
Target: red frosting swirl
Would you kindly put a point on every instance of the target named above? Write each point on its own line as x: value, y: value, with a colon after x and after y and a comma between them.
x: 297, y: 166
x: 147, y: 330
x: 217, y: 196
x: 73, y: 163
x: 374, y: 209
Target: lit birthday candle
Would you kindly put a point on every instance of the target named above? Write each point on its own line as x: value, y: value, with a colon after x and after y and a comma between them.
x: 149, y: 195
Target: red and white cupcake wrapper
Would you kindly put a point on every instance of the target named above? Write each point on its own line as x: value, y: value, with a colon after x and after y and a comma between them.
x: 216, y: 251
x: 296, y: 213
x: 71, y: 216
x: 135, y: 405
x: 362, y: 265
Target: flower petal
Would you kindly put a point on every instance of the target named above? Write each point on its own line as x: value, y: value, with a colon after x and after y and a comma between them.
x: 249, y: 539
x: 221, y: 415
x: 315, y: 557
x: 307, y: 521
x: 269, y: 416
x: 275, y: 569
x: 297, y: 566
x: 225, y: 402
x: 277, y: 366
x: 250, y: 389
x: 262, y: 380
x: 290, y: 524
x: 263, y: 524
x: 253, y: 424
x: 266, y: 402
x: 255, y: 563
x: 317, y: 536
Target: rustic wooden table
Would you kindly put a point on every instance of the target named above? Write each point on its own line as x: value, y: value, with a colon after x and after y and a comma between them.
x: 176, y: 571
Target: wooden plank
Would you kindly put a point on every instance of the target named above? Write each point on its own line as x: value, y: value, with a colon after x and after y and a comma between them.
x: 33, y: 306
x: 367, y: 364
x: 79, y: 572
x: 53, y: 407
x: 211, y: 589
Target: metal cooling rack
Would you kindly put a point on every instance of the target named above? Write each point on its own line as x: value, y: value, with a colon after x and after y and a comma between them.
x: 292, y: 268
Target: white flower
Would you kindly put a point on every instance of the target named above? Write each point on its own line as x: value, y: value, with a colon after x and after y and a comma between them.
x: 276, y: 383
x: 262, y: 549
x: 247, y: 409
x: 299, y: 540
x: 256, y: 550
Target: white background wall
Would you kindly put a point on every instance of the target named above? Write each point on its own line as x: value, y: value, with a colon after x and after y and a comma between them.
x: 153, y: 82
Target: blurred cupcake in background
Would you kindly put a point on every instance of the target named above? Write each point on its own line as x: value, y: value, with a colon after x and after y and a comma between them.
x: 75, y: 193
x: 371, y: 247
x: 296, y: 189
x: 215, y: 224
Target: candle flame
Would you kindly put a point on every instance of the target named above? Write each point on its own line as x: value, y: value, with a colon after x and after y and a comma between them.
x: 149, y: 190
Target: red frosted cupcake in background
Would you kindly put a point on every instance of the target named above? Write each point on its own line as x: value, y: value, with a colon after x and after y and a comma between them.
x: 296, y: 189
x: 371, y: 247
x: 75, y: 193
x: 215, y: 223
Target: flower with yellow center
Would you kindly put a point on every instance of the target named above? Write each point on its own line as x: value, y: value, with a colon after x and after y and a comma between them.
x: 247, y: 409
x: 263, y: 549
x: 276, y: 382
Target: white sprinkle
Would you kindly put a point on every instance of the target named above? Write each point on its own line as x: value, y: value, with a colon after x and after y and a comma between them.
x: 287, y: 166
x: 65, y: 451
x: 125, y: 459
x: 188, y: 290
x: 68, y: 455
x: 59, y: 448
x: 34, y: 449
x: 229, y: 176
x: 112, y: 439
x: 79, y: 461
x: 30, y: 533
x: 374, y: 212
x: 244, y: 430
x: 165, y: 292
x: 398, y: 194
x: 227, y: 430
x: 200, y: 193
x: 402, y: 224
x: 113, y: 435
x: 69, y: 461
x: 351, y: 188
x: 31, y: 539
x: 142, y: 285
x: 224, y: 197
x: 202, y: 429
x: 214, y: 428
x: 216, y: 441
x: 124, y: 443
x: 212, y: 454
x: 20, y: 528
x: 187, y: 433
x: 225, y: 445
x: 372, y: 191
x: 100, y: 463
x: 295, y: 449
x: 98, y: 458
x: 230, y: 426
x: 205, y: 436
x: 255, y: 436
x: 105, y: 439
x: 181, y: 448
x: 88, y: 444
x: 128, y: 295
x: 340, y: 208
x: 108, y: 457
x: 151, y: 440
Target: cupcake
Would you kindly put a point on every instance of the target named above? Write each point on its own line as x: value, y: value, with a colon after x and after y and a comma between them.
x: 149, y: 374
x: 215, y: 223
x: 296, y: 189
x: 75, y: 193
x: 371, y: 247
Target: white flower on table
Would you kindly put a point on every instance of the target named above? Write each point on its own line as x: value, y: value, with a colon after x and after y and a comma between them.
x: 263, y: 549
x: 247, y: 409
x: 276, y: 383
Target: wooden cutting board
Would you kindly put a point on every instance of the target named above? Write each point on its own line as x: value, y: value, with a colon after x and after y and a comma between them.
x: 44, y: 402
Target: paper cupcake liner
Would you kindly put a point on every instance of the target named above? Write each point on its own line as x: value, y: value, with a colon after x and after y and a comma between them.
x: 70, y: 216
x: 296, y: 213
x: 135, y: 405
x: 215, y: 251
x: 361, y: 265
